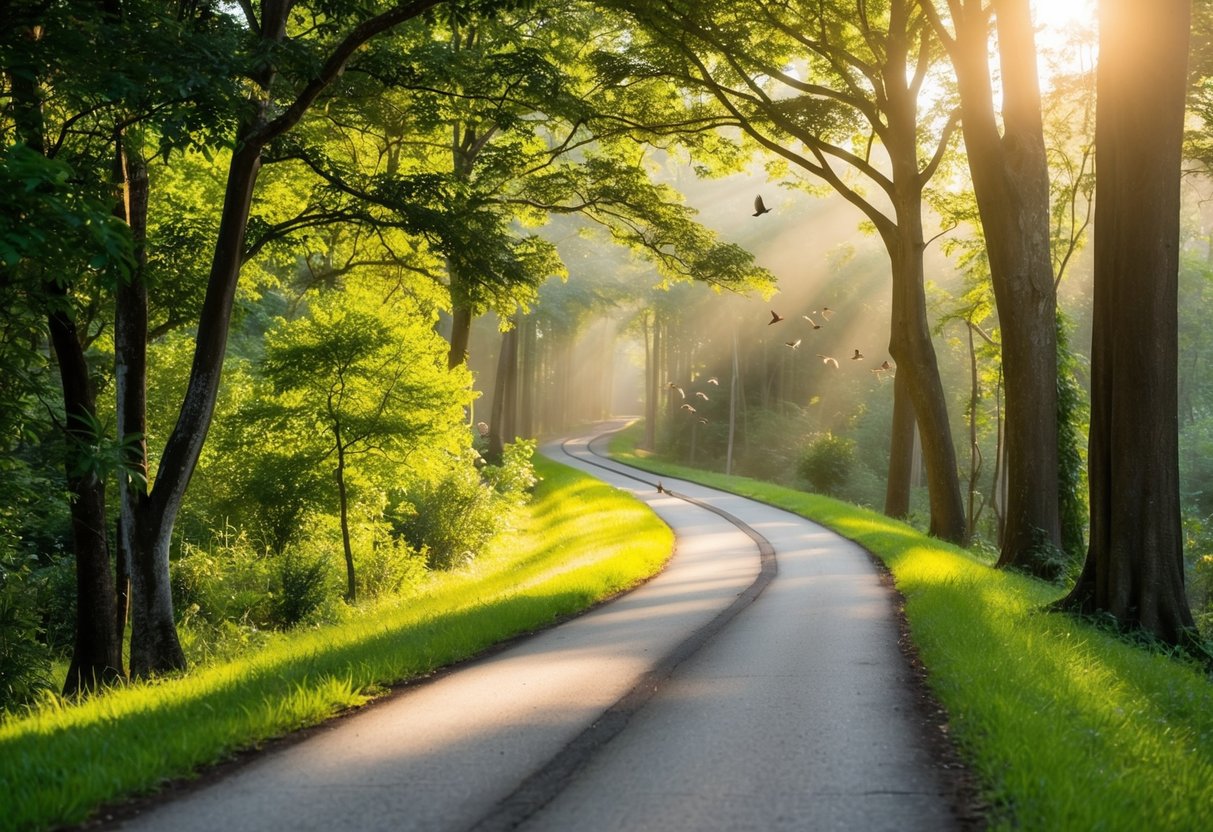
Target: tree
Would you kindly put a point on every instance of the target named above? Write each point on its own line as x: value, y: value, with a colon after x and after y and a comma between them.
x: 821, y: 85
x: 1011, y: 182
x: 1134, y: 567
x: 374, y: 383
x: 505, y: 129
x: 283, y: 88
x: 62, y: 238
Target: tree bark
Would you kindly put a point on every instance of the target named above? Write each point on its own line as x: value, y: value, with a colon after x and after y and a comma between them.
x: 1134, y: 567
x: 96, y: 652
x: 130, y: 373
x: 1011, y: 183
x: 501, y: 414
x: 351, y: 586
x: 901, y: 451
x: 528, y: 379
x: 461, y: 330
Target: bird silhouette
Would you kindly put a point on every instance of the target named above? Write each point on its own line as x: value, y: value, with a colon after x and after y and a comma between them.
x: 714, y: 380
x: 775, y: 318
x: 858, y: 356
x: 661, y: 488
x: 793, y: 344
x: 688, y: 408
x: 681, y: 392
x: 828, y: 359
x: 814, y: 323
x: 701, y: 395
x: 760, y: 207
x: 885, y: 365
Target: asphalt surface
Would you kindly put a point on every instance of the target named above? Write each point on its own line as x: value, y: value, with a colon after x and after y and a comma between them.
x: 746, y: 687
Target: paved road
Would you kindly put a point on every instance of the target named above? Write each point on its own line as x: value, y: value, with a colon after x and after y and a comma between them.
x: 718, y: 696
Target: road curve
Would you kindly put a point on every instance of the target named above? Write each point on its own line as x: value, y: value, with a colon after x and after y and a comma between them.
x: 719, y: 695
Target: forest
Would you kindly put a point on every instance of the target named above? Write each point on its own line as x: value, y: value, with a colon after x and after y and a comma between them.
x: 291, y: 290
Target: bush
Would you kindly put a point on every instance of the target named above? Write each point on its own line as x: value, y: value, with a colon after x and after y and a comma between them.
x: 826, y: 462
x: 450, y: 519
x: 304, y: 584
x: 225, y: 581
x: 25, y: 662
x: 514, y: 478
x: 388, y: 566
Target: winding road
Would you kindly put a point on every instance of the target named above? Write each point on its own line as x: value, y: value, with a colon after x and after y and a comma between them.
x: 756, y: 683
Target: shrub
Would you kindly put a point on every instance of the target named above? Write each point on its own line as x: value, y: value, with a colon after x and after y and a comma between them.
x: 227, y: 580
x: 388, y: 566
x: 826, y: 462
x: 304, y: 584
x: 450, y: 519
x: 25, y: 661
x: 514, y: 478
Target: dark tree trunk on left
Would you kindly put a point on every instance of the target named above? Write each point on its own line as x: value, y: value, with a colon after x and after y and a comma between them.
x: 155, y: 647
x: 97, y: 650
x: 1134, y: 568
x: 96, y: 653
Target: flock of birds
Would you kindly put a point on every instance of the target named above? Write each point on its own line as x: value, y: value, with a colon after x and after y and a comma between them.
x: 816, y: 319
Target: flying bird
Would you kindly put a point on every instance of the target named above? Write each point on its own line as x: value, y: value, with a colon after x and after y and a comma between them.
x: 858, y: 356
x: 703, y: 421
x: 793, y: 344
x: 775, y: 318
x: 828, y: 359
x: 714, y: 380
x: 701, y: 395
x: 760, y: 207
x: 688, y: 408
x: 681, y: 392
x: 811, y: 321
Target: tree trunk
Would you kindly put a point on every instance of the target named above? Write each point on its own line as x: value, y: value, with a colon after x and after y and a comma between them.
x: 910, y: 332
x: 1134, y: 568
x: 351, y: 587
x: 1011, y: 183
x: 529, y: 379
x: 655, y: 388
x: 130, y: 373
x: 97, y: 651
x: 910, y: 345
x: 461, y: 330
x: 901, y: 451
x: 501, y: 413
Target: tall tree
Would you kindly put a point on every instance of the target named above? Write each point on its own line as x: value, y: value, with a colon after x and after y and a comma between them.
x: 49, y: 62
x: 281, y: 91
x: 1134, y: 568
x: 803, y: 80
x: 1010, y: 176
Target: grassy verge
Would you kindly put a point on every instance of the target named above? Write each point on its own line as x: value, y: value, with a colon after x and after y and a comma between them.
x: 579, y: 543
x: 1067, y: 726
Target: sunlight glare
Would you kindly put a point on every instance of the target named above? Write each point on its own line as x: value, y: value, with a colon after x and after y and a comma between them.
x: 1053, y: 16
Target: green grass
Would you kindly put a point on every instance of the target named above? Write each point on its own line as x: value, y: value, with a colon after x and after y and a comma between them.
x: 1068, y: 726
x: 579, y: 543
